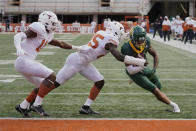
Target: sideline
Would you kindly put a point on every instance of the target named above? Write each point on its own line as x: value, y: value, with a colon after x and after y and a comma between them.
x: 175, y: 43
x: 97, y: 125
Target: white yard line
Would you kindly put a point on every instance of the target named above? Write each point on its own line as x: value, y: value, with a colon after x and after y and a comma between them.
x: 71, y: 93
x: 8, y: 80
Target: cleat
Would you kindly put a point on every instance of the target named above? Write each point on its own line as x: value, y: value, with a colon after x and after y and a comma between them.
x: 23, y: 112
x: 176, y: 109
x: 29, y: 108
x: 87, y: 110
x: 39, y: 110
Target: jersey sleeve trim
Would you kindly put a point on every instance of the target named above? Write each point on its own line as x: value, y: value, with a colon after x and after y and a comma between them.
x: 112, y: 41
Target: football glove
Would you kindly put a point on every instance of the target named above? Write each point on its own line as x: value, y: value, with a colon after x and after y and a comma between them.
x: 20, y: 52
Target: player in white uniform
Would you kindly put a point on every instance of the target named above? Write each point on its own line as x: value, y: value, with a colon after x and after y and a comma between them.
x: 101, y: 44
x: 28, y: 44
x: 179, y: 29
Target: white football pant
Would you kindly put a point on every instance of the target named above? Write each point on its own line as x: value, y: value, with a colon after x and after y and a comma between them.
x: 32, y: 70
x: 76, y: 63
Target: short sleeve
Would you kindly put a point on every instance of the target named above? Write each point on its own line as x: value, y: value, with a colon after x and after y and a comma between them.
x: 37, y: 27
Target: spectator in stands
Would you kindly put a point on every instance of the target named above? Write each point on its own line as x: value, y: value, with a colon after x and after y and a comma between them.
x: 185, y: 28
x: 105, y: 23
x: 2, y: 28
x: 60, y: 27
x: 160, y: 26
x: 179, y: 29
x: 173, y: 27
x: 143, y: 24
x: 93, y: 26
x: 194, y: 28
x: 190, y: 33
x: 166, y: 26
x: 76, y: 26
x: 23, y: 26
x: 7, y: 23
x: 129, y: 26
x: 156, y: 24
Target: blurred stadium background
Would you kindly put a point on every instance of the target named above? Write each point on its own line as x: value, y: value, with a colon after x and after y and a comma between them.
x: 86, y: 11
x: 120, y: 98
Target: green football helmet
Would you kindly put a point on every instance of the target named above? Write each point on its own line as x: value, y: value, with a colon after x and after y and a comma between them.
x: 137, y: 35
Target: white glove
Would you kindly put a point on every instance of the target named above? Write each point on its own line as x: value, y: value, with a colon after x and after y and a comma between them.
x: 20, y: 52
x: 75, y: 47
x: 134, y: 61
x: 134, y: 69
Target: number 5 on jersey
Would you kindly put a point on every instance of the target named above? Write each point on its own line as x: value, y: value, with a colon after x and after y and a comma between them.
x: 94, y: 44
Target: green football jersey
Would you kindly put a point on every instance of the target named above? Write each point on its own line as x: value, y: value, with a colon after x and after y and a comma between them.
x: 128, y: 48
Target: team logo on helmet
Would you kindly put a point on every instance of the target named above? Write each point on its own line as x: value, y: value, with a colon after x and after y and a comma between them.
x: 49, y: 20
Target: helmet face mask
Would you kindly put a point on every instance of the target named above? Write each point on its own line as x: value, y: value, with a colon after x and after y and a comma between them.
x: 138, y: 34
x: 116, y: 29
x: 49, y: 20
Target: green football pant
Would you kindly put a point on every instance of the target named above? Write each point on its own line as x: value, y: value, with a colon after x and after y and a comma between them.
x: 148, y: 82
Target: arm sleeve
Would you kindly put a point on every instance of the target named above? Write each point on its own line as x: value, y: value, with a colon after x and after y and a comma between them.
x: 18, y: 38
x: 134, y: 69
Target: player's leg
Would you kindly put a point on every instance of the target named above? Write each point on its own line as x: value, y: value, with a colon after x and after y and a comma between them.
x: 144, y: 82
x: 24, y: 106
x: 72, y: 66
x: 46, y: 86
x: 35, y: 69
x: 160, y: 95
x: 91, y: 73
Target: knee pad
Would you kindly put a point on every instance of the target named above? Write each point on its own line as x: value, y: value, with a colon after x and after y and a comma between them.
x: 100, y: 84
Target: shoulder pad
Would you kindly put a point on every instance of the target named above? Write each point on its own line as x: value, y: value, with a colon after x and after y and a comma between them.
x: 38, y: 28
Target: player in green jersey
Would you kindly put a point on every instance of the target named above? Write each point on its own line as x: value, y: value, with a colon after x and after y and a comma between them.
x: 138, y: 46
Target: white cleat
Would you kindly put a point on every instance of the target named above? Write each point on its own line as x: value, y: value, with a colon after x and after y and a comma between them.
x: 176, y: 109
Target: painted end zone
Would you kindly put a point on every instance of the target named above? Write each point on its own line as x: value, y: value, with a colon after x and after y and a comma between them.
x: 97, y: 125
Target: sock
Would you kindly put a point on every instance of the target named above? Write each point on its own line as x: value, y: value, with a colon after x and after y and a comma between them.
x: 172, y: 104
x: 38, y: 101
x: 44, y: 90
x: 25, y: 104
x: 88, y: 102
x: 94, y: 92
x: 31, y: 97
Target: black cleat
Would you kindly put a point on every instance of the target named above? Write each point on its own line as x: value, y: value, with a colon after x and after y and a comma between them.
x: 39, y: 110
x: 23, y: 112
x: 87, y: 110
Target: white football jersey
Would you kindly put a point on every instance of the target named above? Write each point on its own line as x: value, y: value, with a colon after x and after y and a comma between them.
x: 96, y: 46
x: 32, y: 46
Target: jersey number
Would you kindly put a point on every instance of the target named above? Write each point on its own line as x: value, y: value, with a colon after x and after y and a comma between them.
x: 95, y: 42
x: 44, y: 42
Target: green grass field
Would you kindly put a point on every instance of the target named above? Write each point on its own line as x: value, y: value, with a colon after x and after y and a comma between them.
x: 119, y: 98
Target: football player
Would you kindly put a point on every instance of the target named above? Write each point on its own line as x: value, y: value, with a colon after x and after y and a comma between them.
x: 138, y: 46
x: 100, y: 45
x: 28, y: 44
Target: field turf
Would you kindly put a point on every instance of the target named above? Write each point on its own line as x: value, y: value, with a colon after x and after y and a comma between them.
x: 120, y: 97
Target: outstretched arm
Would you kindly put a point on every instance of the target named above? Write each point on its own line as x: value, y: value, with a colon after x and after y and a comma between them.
x: 63, y: 45
x: 124, y: 58
x: 114, y: 51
